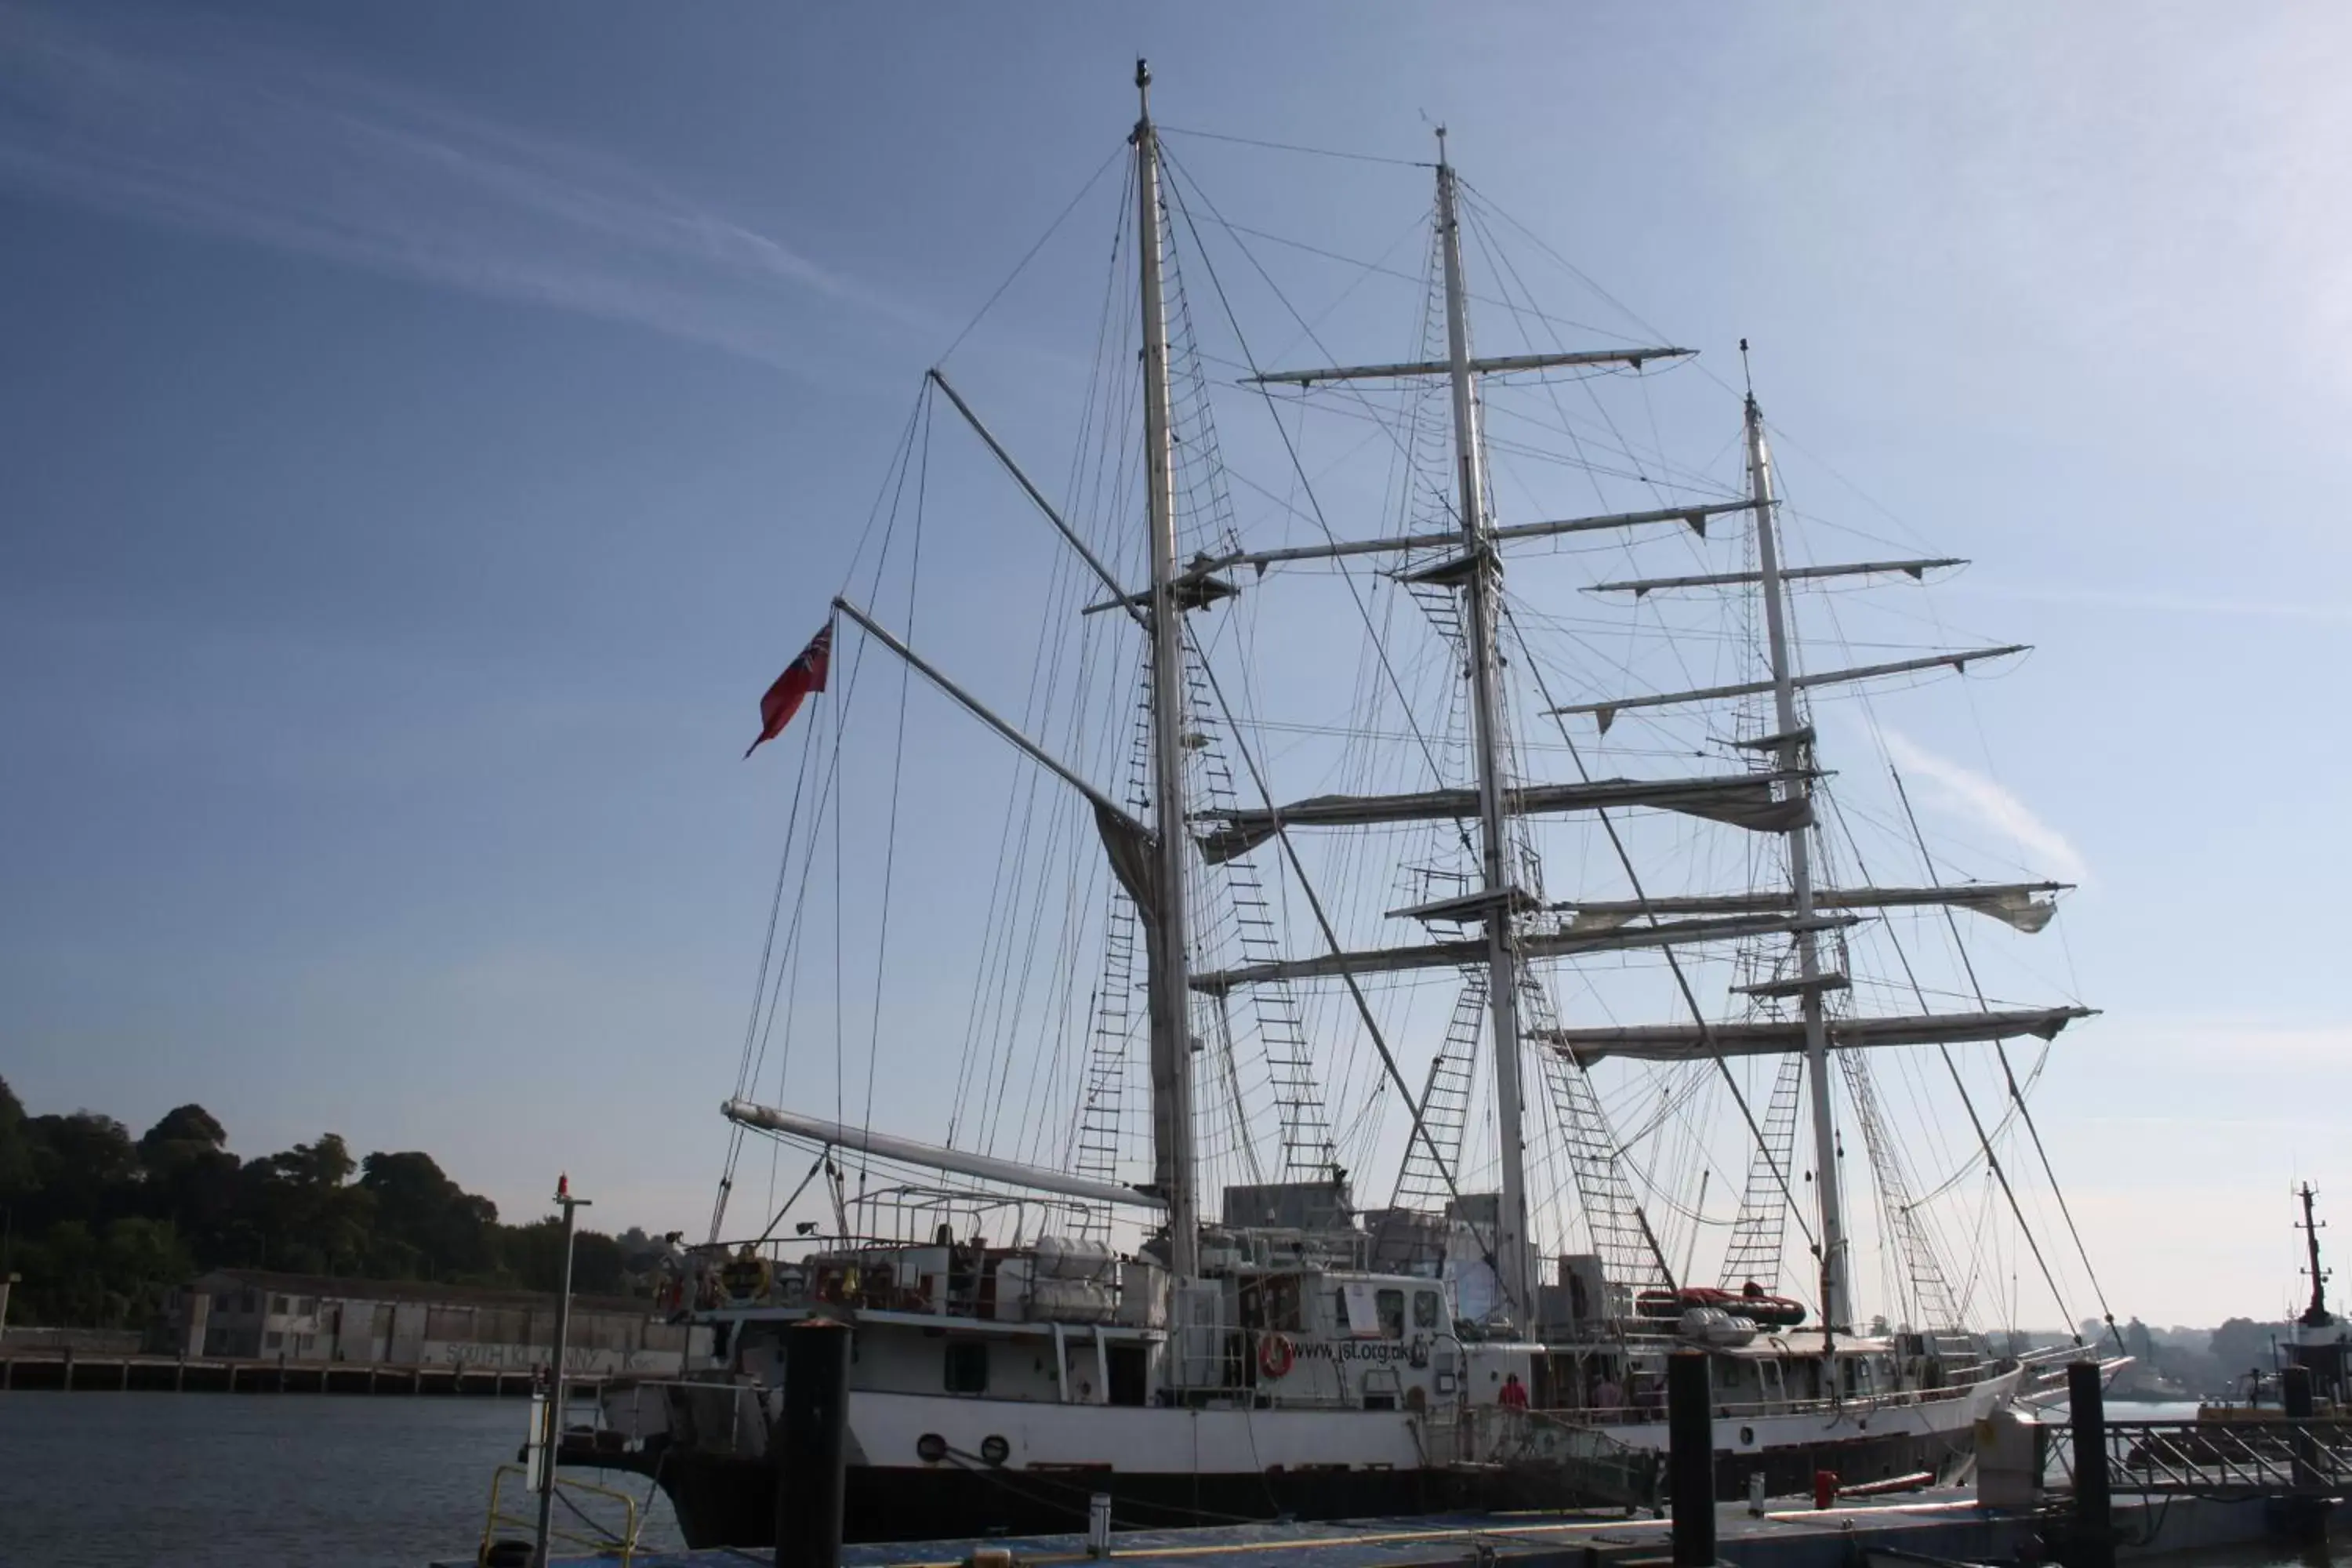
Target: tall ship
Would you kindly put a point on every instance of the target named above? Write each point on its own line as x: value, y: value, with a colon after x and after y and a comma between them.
x: 1427, y: 970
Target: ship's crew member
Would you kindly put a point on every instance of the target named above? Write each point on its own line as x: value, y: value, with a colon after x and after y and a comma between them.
x: 1514, y: 1394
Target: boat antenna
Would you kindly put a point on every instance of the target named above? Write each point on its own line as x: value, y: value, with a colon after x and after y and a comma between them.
x: 1746, y: 378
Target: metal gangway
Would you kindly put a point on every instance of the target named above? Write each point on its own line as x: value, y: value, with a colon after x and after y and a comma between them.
x: 2269, y: 1456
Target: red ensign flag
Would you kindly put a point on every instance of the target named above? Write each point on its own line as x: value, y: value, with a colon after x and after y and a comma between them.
x: 803, y: 676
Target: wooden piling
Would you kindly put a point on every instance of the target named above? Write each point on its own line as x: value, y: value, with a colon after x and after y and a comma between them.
x: 810, y: 1446
x: 1690, y: 1457
x: 2094, y: 1542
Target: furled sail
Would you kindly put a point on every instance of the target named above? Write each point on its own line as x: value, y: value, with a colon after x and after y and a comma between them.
x: 1529, y: 944
x: 1130, y: 850
x: 2012, y: 903
x: 1685, y: 1042
x: 1740, y: 800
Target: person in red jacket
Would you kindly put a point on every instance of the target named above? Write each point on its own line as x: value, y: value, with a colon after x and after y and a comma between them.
x: 1514, y: 1394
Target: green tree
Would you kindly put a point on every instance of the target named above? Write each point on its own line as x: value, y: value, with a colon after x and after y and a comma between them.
x: 84, y: 1167
x: 16, y: 1163
x: 185, y: 1131
x: 2243, y: 1345
x: 534, y: 1259
x: 424, y: 1217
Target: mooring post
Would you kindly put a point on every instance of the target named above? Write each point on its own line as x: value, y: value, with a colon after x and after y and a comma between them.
x: 2294, y: 1394
x: 2095, y: 1535
x: 2306, y: 1512
x: 810, y: 1445
x: 1690, y: 1457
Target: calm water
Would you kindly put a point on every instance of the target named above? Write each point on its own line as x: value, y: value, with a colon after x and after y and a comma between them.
x: 208, y: 1480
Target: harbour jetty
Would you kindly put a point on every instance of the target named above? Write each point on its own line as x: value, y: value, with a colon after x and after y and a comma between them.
x: 1947, y: 1527
x: 65, y: 1371
x: 254, y: 1331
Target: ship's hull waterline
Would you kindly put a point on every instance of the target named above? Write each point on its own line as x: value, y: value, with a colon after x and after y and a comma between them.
x: 1169, y: 1469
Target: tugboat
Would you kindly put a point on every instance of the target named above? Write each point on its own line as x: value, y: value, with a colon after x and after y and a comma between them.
x: 1050, y: 1304
x: 2318, y: 1340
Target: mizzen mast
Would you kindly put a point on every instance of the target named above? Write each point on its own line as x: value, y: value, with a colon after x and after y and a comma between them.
x: 1481, y: 578
x: 1794, y: 744
x: 1173, y: 1151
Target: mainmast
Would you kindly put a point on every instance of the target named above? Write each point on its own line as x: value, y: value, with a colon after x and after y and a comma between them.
x: 1170, y: 989
x: 1480, y: 582
x: 1794, y: 745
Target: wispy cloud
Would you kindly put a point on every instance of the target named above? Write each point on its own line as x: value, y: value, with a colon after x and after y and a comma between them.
x: 1963, y: 791
x: 198, y: 127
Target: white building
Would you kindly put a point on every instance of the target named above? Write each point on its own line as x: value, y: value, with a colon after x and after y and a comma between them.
x: 253, y: 1315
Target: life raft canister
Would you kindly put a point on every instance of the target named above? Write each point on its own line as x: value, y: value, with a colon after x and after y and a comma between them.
x: 1276, y: 1356
x: 745, y: 1275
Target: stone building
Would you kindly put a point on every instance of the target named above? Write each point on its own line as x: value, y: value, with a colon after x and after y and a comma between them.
x: 255, y: 1315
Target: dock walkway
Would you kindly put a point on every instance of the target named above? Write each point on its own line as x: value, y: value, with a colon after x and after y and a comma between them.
x: 1946, y: 1523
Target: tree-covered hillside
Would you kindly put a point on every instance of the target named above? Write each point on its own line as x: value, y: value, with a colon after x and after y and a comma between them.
x: 98, y: 1224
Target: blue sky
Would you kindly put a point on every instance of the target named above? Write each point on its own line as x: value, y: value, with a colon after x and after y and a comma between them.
x: 430, y: 429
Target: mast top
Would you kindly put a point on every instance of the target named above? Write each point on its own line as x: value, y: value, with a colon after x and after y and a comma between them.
x: 1441, y: 147
x: 1143, y: 86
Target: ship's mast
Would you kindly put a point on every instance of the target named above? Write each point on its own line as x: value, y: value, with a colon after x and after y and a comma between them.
x: 1480, y: 583
x: 2315, y: 1315
x: 1795, y: 743
x: 1170, y: 987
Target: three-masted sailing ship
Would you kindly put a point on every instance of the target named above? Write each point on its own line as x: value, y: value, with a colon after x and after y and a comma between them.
x: 1054, y: 1313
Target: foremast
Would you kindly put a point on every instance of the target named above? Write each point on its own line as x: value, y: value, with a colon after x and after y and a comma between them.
x: 1793, y: 744
x: 1173, y: 1153
x: 1480, y: 584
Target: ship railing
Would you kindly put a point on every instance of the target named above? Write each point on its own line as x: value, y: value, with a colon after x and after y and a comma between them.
x: 576, y: 1521
x: 1586, y: 1466
x: 745, y: 1423
x: 1857, y: 1405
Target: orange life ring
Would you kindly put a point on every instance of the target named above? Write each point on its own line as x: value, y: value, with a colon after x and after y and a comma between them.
x: 1275, y: 1355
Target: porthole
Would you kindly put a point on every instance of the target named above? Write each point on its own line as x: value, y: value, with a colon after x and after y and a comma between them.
x: 931, y: 1447
x: 994, y: 1449
x: 1747, y: 1436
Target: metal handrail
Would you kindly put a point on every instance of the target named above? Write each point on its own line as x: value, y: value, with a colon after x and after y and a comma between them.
x: 2268, y: 1458
x: 598, y: 1544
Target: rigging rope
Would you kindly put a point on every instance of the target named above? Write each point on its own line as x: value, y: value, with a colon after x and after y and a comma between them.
x: 898, y: 773
x: 1935, y: 879
x: 756, y: 1035
x: 1294, y: 147
x: 1331, y: 941
x: 1681, y: 981
x: 1021, y: 266
x: 1984, y: 1138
